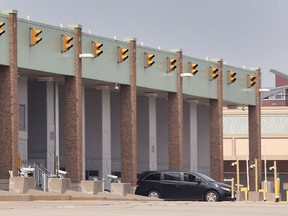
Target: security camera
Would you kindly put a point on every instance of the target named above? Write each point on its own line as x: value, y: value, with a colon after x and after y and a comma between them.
x: 234, y: 164
x: 116, y: 87
x: 28, y: 169
x: 271, y: 168
x: 62, y: 172
x: 252, y: 166
x: 112, y: 176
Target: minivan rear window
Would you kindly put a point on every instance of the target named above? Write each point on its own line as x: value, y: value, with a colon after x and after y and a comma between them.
x: 153, y: 176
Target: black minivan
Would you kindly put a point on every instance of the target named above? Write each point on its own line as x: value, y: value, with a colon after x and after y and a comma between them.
x: 175, y: 185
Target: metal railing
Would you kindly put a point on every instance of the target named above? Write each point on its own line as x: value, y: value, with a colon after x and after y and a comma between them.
x: 41, y: 176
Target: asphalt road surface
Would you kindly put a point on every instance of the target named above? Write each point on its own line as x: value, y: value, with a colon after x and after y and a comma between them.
x: 139, y: 208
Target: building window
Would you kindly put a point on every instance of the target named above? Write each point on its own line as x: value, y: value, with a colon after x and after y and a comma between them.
x: 22, y: 125
x: 278, y: 96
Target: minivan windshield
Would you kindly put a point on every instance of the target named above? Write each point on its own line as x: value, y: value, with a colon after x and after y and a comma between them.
x: 205, y: 178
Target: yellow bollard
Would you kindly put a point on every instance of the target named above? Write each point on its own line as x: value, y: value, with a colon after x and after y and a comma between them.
x: 265, y: 190
x: 286, y: 195
x: 232, y: 189
x: 277, y: 190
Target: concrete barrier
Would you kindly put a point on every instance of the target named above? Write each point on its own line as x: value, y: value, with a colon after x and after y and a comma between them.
x: 255, y: 196
x: 21, y: 184
x: 240, y: 196
x: 59, y: 185
x: 271, y: 197
x: 245, y: 190
x: 91, y: 187
x: 121, y: 188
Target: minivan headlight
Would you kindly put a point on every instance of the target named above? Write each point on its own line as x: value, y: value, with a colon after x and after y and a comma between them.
x: 225, y: 188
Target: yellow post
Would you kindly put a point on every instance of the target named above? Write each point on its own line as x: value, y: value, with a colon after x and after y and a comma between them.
x: 275, y: 175
x: 238, y: 175
x: 265, y: 190
x: 277, y: 190
x: 275, y: 182
x: 19, y: 161
x: 232, y: 189
x: 256, y: 174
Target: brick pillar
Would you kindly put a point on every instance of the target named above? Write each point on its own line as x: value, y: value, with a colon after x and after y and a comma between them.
x: 9, y: 105
x: 175, y: 120
x: 216, y: 129
x: 73, y: 114
x: 254, y: 116
x: 128, y: 123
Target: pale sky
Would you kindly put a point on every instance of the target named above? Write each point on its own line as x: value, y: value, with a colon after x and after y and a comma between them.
x: 251, y: 33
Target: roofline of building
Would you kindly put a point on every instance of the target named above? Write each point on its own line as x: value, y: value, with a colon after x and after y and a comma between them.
x: 276, y: 72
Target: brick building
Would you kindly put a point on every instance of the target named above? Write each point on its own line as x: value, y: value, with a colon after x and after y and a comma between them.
x: 65, y: 103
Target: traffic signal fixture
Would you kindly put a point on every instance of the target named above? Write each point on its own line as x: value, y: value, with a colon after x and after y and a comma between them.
x: 251, y: 81
x: 66, y: 43
x: 213, y: 73
x: 122, y: 54
x: 171, y: 64
x: 34, y: 39
x: 148, y: 60
x: 1, y: 30
x: 231, y: 77
x: 193, y: 68
x: 96, y: 48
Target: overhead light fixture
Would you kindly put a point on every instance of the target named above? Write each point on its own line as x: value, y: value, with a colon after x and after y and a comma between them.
x: 195, y: 101
x: 151, y: 94
x: 264, y: 90
x: 186, y: 74
x: 102, y: 87
x: 45, y: 79
x: 86, y: 55
x: 232, y: 106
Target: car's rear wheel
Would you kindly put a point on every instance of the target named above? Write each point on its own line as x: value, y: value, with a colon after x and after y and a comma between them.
x: 211, y: 196
x: 154, y: 194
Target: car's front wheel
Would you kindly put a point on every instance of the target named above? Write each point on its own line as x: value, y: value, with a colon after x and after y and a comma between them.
x: 154, y: 194
x: 211, y: 196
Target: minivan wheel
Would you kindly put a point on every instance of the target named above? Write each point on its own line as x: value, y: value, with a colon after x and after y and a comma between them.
x: 211, y: 196
x: 154, y: 194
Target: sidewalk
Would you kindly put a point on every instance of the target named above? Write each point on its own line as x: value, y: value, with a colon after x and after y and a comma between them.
x: 32, y: 195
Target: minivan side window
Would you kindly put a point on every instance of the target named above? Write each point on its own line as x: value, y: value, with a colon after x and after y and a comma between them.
x: 189, y: 177
x: 153, y: 176
x: 172, y: 176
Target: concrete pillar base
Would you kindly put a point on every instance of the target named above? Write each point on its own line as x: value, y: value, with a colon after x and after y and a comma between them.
x: 76, y: 186
x: 255, y: 196
x: 121, y: 188
x: 59, y: 185
x: 91, y: 187
x: 21, y: 184
x: 4, y: 184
